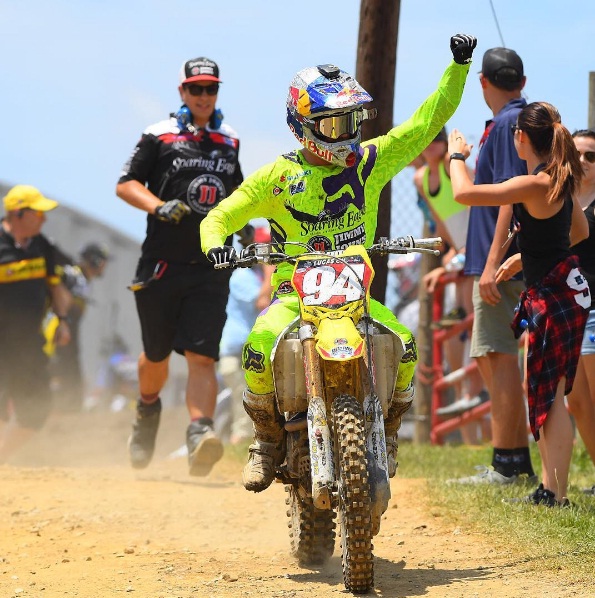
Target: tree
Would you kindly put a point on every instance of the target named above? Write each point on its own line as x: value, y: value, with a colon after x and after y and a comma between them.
x: 376, y: 71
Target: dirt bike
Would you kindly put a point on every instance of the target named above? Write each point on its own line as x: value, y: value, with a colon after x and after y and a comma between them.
x: 334, y: 370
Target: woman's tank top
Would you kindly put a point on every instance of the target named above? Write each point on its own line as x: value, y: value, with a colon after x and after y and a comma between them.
x: 454, y: 215
x: 543, y: 242
x: 585, y: 250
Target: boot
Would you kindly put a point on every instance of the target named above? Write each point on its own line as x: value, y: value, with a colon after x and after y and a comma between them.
x: 141, y: 444
x: 400, y: 403
x: 259, y: 472
x: 266, y: 450
x: 204, y: 448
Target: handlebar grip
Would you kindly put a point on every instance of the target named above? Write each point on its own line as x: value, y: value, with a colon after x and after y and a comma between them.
x: 428, y: 243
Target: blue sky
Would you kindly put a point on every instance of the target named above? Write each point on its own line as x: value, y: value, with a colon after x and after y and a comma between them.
x: 83, y: 78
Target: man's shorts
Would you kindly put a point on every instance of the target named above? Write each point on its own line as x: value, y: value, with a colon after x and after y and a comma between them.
x: 491, y: 324
x: 182, y: 311
x: 588, y: 346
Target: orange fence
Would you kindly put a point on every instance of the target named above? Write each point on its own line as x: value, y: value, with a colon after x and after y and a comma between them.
x: 441, y: 428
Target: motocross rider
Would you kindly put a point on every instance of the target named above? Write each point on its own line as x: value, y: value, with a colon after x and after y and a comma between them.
x: 326, y: 195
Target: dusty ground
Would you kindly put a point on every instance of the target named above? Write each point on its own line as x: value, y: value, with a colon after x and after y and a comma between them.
x: 75, y: 520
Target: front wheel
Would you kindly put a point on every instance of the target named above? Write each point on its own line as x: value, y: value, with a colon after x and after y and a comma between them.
x: 354, y: 495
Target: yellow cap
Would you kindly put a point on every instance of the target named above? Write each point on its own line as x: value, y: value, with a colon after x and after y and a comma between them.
x: 26, y: 196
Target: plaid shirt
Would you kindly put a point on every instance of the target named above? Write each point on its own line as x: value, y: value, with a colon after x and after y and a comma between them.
x: 556, y: 311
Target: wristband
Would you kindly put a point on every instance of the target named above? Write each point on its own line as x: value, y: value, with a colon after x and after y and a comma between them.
x: 457, y: 156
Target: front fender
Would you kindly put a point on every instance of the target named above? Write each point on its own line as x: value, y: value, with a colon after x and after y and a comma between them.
x: 339, y: 340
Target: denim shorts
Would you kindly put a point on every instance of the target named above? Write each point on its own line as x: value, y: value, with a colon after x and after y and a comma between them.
x: 588, y: 346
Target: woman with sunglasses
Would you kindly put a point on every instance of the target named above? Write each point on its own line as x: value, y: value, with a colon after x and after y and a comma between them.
x: 581, y: 401
x: 554, y: 307
x: 180, y: 169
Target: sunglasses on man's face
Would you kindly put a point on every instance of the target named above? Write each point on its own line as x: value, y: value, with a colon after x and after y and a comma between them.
x: 198, y: 90
x: 38, y: 213
x: 588, y: 156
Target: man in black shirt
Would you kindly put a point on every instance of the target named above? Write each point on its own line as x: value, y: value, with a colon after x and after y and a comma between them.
x: 180, y: 169
x: 27, y: 275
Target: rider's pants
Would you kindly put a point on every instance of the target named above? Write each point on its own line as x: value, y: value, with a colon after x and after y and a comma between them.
x: 256, y: 358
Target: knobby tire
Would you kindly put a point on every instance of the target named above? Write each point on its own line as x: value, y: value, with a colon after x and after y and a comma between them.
x: 354, y: 495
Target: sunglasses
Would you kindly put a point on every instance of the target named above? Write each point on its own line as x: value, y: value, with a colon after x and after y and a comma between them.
x: 38, y: 213
x: 514, y: 128
x: 198, y: 90
x: 588, y: 156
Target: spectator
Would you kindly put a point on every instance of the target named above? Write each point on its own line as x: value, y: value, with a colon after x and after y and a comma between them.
x: 554, y: 307
x: 581, y: 401
x: 433, y: 185
x: 249, y: 293
x: 326, y: 194
x: 67, y: 378
x: 493, y: 344
x: 180, y: 169
x: 407, y: 270
x: 27, y: 274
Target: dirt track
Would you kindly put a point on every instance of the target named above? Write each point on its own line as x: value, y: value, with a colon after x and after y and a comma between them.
x: 77, y: 521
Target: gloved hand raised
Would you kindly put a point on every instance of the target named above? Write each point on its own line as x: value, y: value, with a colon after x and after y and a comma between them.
x: 222, y: 256
x: 462, y: 46
x: 172, y: 211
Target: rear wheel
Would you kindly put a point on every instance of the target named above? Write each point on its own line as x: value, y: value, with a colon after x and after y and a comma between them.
x: 312, y: 531
x: 354, y: 495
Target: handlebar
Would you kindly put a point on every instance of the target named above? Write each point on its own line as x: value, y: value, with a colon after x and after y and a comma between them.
x: 407, y: 245
x: 266, y: 253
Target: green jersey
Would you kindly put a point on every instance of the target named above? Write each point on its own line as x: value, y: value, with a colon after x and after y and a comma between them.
x: 330, y: 207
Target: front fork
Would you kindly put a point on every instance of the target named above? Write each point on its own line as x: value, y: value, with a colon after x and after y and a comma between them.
x: 319, y: 435
x: 376, y: 456
x: 322, y: 462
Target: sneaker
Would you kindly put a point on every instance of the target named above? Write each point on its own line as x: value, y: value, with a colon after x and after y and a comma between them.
x: 141, y: 444
x: 454, y: 316
x: 491, y: 476
x: 259, y: 472
x: 204, y: 448
x: 541, y: 496
x: 459, y: 407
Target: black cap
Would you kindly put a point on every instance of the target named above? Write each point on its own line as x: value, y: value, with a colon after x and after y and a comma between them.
x: 94, y: 254
x: 503, y: 67
x: 199, y: 69
x: 442, y: 135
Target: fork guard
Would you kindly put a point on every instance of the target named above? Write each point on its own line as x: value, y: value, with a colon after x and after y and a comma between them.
x: 377, y: 459
x: 322, y: 464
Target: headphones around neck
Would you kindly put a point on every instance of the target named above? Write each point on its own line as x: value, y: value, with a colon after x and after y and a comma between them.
x: 185, y: 119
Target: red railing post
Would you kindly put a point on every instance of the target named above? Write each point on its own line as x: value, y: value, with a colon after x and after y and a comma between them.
x: 441, y: 428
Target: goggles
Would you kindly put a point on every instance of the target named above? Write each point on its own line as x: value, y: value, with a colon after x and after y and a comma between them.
x: 334, y: 127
